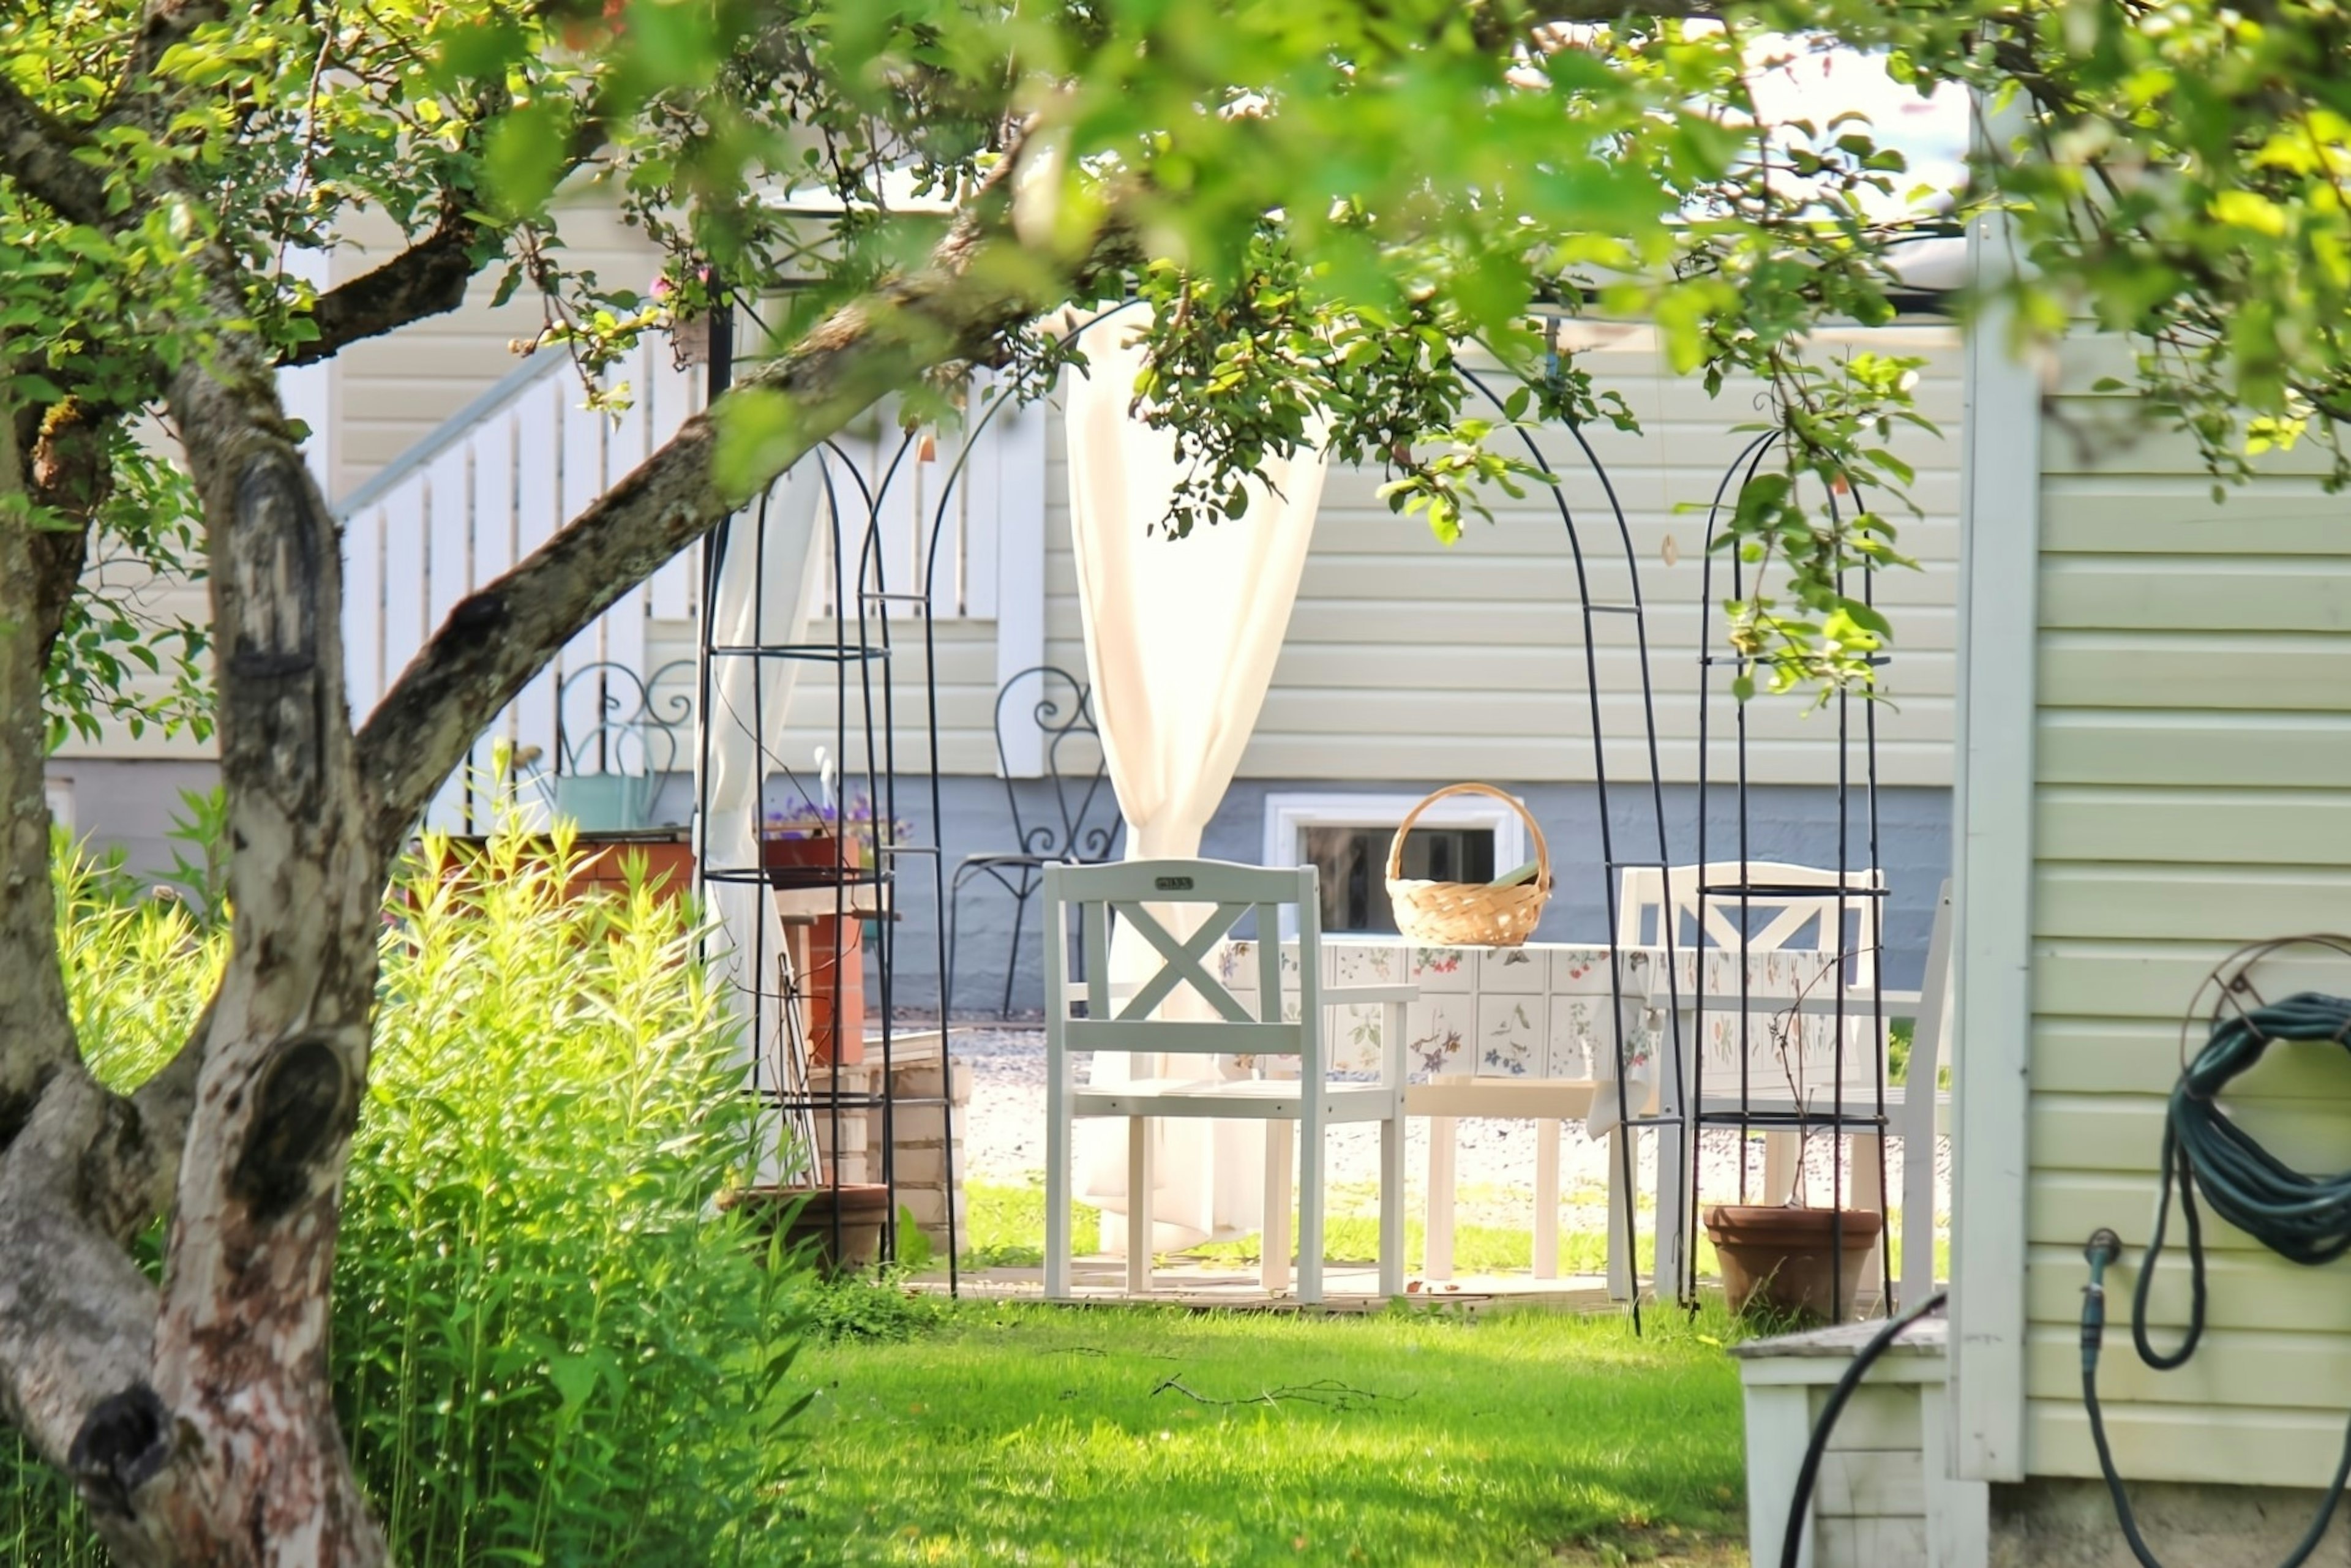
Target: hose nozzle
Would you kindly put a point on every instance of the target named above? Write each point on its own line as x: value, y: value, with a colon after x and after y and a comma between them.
x: 2101, y: 1250
x: 2100, y: 1253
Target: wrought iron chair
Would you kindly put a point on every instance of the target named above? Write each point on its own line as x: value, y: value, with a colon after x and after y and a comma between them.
x: 616, y: 736
x: 1073, y: 821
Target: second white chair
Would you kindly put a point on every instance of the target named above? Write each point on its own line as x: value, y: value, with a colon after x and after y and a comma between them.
x: 1134, y: 1017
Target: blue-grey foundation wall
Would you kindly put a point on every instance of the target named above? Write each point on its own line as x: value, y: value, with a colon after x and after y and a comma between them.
x: 1797, y: 824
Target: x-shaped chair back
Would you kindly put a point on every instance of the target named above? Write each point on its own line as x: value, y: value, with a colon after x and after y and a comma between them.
x: 1145, y: 895
x: 1788, y: 908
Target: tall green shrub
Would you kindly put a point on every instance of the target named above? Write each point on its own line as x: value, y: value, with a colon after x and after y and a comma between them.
x: 549, y: 1346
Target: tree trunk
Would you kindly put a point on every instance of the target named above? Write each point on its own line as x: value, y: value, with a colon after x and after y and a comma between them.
x: 246, y: 1464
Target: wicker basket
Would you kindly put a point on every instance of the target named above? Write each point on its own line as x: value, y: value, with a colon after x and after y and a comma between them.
x: 1469, y: 913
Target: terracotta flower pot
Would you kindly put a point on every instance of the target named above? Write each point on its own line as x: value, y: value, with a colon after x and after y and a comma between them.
x: 842, y: 1224
x: 832, y: 989
x: 603, y: 863
x: 1793, y: 1261
x: 829, y: 968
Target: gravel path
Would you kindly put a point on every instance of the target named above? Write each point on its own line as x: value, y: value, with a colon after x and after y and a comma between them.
x: 1004, y: 1142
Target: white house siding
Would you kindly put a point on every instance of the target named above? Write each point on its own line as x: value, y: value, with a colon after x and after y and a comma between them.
x: 391, y: 392
x: 2193, y: 732
x: 966, y: 696
x: 1407, y: 659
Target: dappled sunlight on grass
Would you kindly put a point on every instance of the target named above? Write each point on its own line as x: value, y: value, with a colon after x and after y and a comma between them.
x: 1031, y: 1435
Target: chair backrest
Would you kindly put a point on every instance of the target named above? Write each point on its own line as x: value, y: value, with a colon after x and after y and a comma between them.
x: 617, y: 733
x: 1757, y: 906
x: 1184, y: 1005
x: 1078, y: 818
x: 1772, y: 933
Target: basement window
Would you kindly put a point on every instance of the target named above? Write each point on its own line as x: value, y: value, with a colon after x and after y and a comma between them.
x: 1345, y: 838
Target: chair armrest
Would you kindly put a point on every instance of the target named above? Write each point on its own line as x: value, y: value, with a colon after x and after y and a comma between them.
x: 1364, y: 995
x: 1077, y: 990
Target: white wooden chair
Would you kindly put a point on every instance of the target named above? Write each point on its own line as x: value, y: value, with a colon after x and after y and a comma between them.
x: 1810, y: 960
x: 1134, y: 1018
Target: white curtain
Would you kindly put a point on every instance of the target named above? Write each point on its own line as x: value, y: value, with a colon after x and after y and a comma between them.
x: 1181, y: 638
x: 765, y: 581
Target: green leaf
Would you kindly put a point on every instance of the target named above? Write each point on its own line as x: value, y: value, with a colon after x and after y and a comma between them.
x: 526, y: 154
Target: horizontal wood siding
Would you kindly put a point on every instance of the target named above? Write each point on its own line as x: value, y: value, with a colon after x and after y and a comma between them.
x: 1407, y: 659
x: 2194, y: 731
x: 966, y: 698
x: 391, y: 392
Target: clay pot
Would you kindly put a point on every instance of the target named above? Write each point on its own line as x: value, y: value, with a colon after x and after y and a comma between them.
x: 809, y: 1214
x: 831, y: 968
x: 1793, y: 1261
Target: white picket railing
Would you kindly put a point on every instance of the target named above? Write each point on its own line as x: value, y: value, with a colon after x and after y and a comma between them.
x: 502, y: 474
x: 463, y: 505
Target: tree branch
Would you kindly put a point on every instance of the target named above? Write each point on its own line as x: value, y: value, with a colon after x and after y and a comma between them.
x: 429, y: 278
x: 494, y: 641
x: 38, y: 151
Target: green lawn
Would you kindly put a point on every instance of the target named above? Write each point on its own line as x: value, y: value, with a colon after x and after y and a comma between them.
x: 1142, y: 1436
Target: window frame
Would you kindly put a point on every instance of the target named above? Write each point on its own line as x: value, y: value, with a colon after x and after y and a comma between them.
x: 1287, y: 812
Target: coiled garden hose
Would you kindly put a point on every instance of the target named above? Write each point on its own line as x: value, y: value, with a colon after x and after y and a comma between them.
x: 1791, y: 1545
x: 2303, y: 1218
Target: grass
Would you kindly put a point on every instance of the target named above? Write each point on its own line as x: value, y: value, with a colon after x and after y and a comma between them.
x: 1020, y: 1434
x: 1007, y: 1230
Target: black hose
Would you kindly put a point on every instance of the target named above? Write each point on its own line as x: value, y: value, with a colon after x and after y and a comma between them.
x: 1792, y: 1546
x: 2302, y: 1219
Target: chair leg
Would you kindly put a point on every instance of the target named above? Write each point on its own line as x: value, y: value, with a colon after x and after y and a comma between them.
x: 1782, y: 1165
x: 1916, y: 1278
x: 1624, y: 1144
x: 1864, y: 1191
x: 1673, y: 1208
x: 1012, y: 955
x: 1138, y: 1206
x: 1546, y: 1197
x: 1313, y: 1138
x: 1437, y: 1261
x: 955, y: 934
x: 1392, y: 1206
x: 1058, y: 1241
x: 1280, y: 1150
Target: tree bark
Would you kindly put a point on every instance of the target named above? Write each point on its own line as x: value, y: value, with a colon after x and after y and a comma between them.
x: 258, y: 1473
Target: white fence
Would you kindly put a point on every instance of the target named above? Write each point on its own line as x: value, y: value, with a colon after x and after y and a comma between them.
x: 492, y: 484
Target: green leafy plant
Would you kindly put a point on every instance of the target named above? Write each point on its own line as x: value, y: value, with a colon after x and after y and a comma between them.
x: 549, y: 1345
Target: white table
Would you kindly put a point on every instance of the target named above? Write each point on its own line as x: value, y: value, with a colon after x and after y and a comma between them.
x: 1526, y: 1032
x: 1507, y: 1033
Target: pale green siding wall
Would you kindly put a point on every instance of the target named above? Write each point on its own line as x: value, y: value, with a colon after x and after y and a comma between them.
x: 2193, y: 748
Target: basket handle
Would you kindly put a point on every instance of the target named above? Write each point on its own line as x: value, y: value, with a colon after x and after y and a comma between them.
x: 1542, y: 848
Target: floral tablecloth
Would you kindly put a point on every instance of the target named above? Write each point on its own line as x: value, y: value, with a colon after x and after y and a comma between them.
x: 1537, y: 1011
